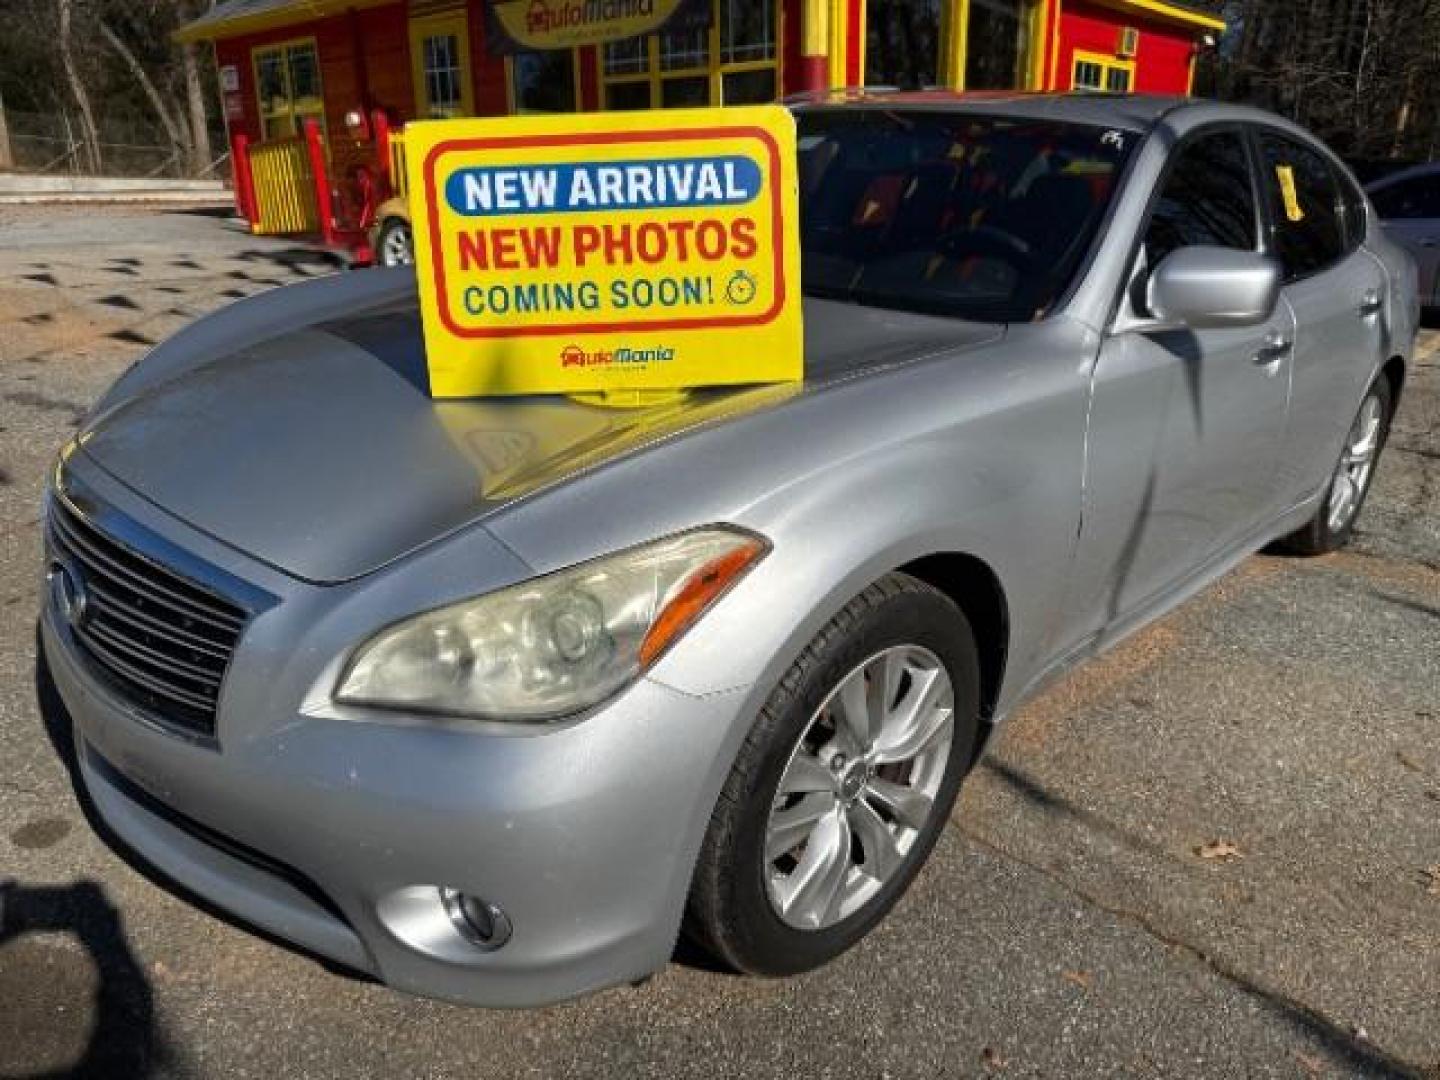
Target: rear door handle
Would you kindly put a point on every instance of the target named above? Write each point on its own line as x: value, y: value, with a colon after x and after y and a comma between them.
x: 1370, y: 303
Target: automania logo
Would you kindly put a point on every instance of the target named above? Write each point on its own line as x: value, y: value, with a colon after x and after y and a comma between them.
x: 545, y: 16
x: 575, y: 356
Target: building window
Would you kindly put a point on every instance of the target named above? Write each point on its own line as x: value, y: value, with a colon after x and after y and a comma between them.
x: 965, y: 44
x: 902, y: 43
x: 542, y: 82
x: 287, y: 83
x: 440, y: 55
x: 1102, y: 74
x: 996, y: 44
x: 735, y: 61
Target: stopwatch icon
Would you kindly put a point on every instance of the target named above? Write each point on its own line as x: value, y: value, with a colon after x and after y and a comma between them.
x: 740, y: 289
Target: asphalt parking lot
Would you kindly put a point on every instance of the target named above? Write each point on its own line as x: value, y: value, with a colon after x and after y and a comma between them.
x: 1215, y: 852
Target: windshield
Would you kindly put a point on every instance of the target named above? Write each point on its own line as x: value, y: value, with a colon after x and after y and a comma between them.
x: 978, y: 217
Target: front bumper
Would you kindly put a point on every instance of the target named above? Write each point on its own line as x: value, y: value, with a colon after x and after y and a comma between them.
x: 311, y: 826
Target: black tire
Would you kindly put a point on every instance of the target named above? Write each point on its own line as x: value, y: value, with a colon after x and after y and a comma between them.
x: 394, y: 235
x: 1317, y: 536
x: 730, y: 914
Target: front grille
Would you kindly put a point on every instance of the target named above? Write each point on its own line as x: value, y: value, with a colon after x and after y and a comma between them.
x: 164, y: 640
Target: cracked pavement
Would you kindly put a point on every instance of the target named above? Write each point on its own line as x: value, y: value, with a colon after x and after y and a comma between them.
x: 1213, y: 852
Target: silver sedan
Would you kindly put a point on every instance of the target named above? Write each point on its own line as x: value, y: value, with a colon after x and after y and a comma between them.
x: 491, y: 698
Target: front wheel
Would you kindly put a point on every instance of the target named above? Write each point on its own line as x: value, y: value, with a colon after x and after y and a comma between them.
x: 1334, y: 520
x: 843, y: 785
x: 395, y: 246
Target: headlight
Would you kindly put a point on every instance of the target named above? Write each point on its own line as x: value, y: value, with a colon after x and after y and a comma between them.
x: 555, y: 645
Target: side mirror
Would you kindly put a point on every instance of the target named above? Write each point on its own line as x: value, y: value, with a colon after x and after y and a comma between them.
x: 1207, y: 287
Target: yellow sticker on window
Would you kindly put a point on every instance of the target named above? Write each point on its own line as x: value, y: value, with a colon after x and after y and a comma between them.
x: 1286, y: 175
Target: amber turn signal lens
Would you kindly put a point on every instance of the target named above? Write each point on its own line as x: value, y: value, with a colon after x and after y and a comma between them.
x: 700, y: 590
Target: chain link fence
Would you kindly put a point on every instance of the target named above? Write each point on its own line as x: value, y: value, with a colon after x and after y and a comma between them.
x: 51, y: 144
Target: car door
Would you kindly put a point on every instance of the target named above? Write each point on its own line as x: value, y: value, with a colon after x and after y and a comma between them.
x: 1337, y: 294
x: 1409, y: 209
x: 1186, y: 426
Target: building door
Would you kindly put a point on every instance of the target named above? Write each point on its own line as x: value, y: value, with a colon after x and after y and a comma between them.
x: 735, y: 61
x: 440, y: 62
x: 287, y: 84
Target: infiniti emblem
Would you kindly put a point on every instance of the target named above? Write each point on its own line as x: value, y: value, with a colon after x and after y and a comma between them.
x: 67, y: 593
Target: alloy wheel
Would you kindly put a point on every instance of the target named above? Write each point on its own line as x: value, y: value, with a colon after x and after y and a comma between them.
x: 397, y: 247
x: 859, y: 787
x: 1357, y: 462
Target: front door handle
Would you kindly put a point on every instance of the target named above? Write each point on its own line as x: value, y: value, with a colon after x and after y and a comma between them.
x: 1276, y: 347
x: 1370, y: 303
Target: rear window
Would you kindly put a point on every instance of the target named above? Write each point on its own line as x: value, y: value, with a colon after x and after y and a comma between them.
x: 1305, y: 206
x: 979, y: 217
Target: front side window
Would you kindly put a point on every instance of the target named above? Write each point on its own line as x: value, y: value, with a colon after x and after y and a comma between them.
x: 1207, y: 198
x: 1305, y: 208
x: 974, y: 216
x: 287, y: 82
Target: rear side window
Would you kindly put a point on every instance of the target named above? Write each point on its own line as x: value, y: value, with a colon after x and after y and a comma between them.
x: 1207, y: 199
x: 1415, y: 198
x: 1304, y: 197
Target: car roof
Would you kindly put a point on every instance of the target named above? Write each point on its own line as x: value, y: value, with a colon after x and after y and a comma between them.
x: 1131, y: 112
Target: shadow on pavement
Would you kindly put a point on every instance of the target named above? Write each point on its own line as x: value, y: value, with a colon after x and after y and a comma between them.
x: 1345, y: 1047
x: 123, y: 1039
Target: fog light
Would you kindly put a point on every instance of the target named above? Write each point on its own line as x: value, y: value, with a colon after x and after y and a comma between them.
x: 478, y: 921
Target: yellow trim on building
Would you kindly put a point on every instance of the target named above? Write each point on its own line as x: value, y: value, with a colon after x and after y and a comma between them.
x: 954, y: 32
x: 1039, y: 33
x: 860, y: 44
x: 839, y: 26
x: 204, y: 29
x: 1172, y: 12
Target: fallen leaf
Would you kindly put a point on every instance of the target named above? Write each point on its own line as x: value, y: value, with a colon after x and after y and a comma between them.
x: 1079, y: 978
x: 1432, y: 879
x: 1219, y: 850
x: 991, y: 1058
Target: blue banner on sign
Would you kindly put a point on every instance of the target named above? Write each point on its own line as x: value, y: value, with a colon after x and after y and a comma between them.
x: 729, y: 180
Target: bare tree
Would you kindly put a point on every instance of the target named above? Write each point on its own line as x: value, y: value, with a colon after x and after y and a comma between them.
x: 90, y: 134
x: 7, y: 160
x: 178, y: 134
x: 199, y: 125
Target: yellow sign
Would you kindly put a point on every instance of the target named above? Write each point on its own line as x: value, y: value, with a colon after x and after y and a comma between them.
x: 607, y: 252
x: 1286, y: 175
x: 518, y: 25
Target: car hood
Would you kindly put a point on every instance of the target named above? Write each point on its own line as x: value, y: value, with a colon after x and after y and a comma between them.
x: 319, y: 451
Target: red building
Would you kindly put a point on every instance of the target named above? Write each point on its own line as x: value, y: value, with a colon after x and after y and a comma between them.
x: 356, y: 67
